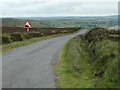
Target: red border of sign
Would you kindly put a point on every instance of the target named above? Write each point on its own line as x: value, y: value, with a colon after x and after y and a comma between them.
x: 29, y: 24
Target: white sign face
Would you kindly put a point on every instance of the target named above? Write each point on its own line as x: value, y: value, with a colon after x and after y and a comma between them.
x: 27, y: 25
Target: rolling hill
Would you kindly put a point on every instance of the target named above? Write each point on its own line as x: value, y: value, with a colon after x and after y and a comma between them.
x: 61, y: 22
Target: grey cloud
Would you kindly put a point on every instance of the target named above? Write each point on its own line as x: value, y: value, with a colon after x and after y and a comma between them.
x: 62, y: 8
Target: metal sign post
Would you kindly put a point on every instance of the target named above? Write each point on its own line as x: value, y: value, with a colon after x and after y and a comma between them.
x: 27, y: 29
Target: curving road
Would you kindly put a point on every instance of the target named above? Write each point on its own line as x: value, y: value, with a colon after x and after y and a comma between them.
x: 32, y: 66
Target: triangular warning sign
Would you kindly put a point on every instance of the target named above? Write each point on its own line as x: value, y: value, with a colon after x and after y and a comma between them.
x: 27, y: 25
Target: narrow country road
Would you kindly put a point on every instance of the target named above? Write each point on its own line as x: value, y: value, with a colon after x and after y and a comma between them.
x: 32, y: 66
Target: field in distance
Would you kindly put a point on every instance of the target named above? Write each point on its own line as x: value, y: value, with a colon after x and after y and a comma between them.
x: 62, y: 22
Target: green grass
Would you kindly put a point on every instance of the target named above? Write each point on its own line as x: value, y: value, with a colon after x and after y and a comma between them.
x: 11, y: 46
x: 83, y: 59
x: 72, y: 69
x: 107, y: 61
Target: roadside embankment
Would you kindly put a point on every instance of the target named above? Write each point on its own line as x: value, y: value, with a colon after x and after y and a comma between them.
x: 89, y: 61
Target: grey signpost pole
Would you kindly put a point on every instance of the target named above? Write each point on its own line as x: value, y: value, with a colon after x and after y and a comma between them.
x: 27, y: 29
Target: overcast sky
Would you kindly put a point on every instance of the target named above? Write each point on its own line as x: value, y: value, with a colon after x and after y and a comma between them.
x: 44, y: 8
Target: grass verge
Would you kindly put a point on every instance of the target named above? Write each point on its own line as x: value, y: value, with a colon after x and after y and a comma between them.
x: 11, y: 46
x: 89, y: 61
x: 71, y: 66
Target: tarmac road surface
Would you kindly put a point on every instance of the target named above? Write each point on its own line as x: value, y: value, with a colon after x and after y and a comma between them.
x: 32, y: 66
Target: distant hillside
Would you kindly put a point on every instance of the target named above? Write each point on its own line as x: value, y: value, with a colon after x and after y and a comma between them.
x: 10, y: 22
x: 58, y: 22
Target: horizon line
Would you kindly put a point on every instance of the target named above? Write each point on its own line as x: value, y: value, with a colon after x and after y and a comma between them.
x: 57, y: 16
